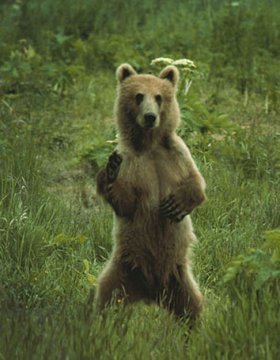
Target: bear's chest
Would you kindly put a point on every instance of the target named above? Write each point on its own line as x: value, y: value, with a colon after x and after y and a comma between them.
x: 154, y: 175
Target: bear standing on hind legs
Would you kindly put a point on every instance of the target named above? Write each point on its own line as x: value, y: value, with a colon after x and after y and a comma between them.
x: 152, y: 184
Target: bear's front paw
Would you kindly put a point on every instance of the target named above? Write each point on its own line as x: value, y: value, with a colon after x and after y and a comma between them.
x: 113, y: 166
x: 171, y: 208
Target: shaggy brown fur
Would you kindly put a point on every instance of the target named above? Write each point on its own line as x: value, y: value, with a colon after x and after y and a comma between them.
x: 152, y: 184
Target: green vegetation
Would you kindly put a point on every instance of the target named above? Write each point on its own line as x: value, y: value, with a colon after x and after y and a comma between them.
x: 57, y: 89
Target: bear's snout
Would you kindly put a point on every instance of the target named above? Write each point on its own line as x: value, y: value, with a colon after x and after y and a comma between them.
x: 150, y: 119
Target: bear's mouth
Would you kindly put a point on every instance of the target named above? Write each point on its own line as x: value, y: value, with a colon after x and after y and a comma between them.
x: 150, y: 126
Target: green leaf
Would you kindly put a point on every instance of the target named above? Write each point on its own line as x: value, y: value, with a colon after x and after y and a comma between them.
x: 86, y: 265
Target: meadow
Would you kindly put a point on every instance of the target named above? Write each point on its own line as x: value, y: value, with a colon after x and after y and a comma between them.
x: 57, y: 91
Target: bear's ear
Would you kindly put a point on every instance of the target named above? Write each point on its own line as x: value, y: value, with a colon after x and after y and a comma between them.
x: 124, y: 71
x: 171, y: 74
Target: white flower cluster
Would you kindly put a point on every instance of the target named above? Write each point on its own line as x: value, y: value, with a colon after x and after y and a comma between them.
x: 168, y: 61
x: 184, y: 62
x: 161, y: 60
x: 186, y: 68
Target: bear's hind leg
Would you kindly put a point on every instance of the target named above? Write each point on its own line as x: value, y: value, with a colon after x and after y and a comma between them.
x: 136, y: 286
x: 121, y: 284
x: 110, y: 287
x: 183, y: 296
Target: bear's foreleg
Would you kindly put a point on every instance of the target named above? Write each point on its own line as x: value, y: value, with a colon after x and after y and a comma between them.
x: 120, y: 197
x: 185, y: 198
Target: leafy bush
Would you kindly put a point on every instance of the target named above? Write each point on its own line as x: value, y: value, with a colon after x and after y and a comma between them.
x: 259, y: 269
x: 28, y: 71
x: 97, y: 153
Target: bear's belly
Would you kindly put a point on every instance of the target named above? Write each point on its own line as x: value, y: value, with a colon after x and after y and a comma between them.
x: 149, y: 241
x: 153, y: 244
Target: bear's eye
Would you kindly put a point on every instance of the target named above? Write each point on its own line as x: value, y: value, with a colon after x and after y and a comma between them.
x: 158, y: 99
x: 139, y: 98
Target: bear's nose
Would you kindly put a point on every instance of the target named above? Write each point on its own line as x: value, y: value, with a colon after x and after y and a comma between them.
x: 150, y: 119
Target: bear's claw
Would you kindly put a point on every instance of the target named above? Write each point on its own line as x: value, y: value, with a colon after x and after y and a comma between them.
x: 113, y: 166
x: 172, y: 210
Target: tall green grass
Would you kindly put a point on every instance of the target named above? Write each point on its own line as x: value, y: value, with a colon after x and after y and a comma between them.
x: 52, y: 248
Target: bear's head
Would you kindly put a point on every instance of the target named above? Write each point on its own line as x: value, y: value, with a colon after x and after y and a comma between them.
x: 146, y: 106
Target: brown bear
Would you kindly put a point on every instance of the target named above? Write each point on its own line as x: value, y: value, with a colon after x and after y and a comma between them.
x: 152, y: 184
